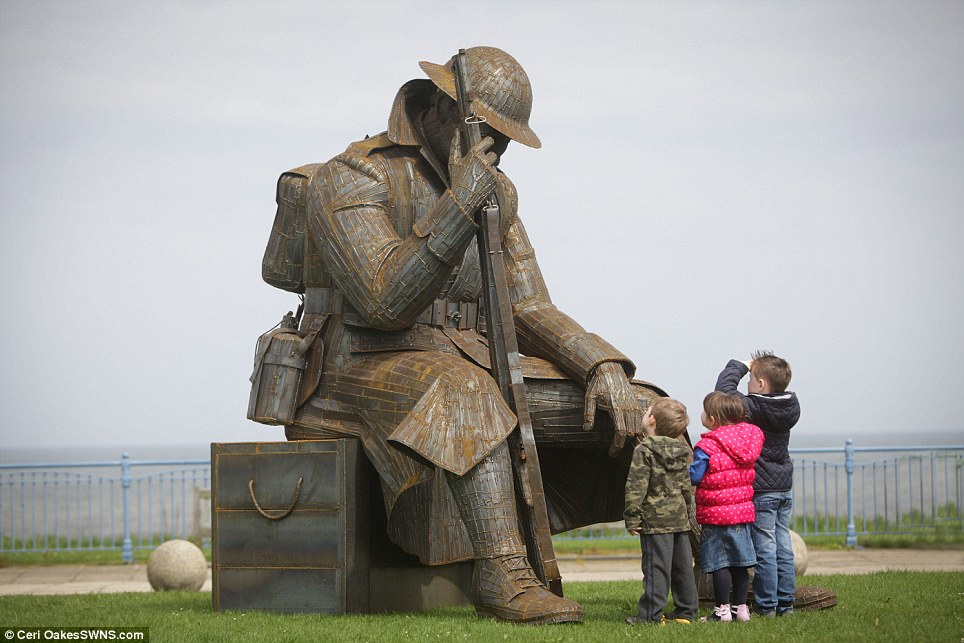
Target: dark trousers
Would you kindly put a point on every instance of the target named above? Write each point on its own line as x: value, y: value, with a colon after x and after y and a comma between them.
x: 667, y: 564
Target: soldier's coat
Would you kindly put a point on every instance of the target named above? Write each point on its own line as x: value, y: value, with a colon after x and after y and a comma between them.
x: 386, y: 247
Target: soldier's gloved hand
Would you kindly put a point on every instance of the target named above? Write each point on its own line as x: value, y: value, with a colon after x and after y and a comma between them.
x: 473, y: 176
x: 610, y: 388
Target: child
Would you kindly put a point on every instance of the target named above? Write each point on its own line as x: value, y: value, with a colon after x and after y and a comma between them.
x: 659, y: 503
x: 722, y: 466
x: 775, y: 410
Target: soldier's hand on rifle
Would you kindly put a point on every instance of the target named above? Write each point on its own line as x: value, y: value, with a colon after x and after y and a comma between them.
x: 473, y: 175
x: 610, y: 388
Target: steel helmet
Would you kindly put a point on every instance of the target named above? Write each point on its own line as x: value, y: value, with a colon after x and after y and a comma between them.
x: 503, y: 94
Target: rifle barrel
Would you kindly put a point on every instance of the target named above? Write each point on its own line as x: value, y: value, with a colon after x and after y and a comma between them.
x: 505, y: 359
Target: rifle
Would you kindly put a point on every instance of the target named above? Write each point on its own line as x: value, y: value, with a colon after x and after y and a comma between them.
x: 504, y: 356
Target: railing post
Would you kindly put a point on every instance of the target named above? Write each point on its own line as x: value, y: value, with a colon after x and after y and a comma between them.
x: 849, y: 465
x: 127, y: 549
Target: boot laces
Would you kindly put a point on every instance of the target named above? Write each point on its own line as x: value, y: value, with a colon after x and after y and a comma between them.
x: 519, y: 570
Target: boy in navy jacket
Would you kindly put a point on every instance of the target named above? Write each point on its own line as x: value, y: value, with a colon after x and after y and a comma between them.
x: 775, y: 410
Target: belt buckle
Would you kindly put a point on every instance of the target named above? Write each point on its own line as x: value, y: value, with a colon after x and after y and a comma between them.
x: 453, y: 314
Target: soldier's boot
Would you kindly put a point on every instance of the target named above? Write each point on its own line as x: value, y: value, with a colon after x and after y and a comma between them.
x: 505, y: 587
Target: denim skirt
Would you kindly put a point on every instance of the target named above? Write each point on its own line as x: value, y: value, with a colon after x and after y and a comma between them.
x: 726, y: 546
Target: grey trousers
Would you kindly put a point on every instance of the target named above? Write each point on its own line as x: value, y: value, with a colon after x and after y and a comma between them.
x: 667, y: 564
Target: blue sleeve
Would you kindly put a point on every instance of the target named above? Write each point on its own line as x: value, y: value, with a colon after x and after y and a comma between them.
x: 700, y: 462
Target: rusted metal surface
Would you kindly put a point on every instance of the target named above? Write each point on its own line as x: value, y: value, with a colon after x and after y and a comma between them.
x: 318, y: 545
x: 382, y: 241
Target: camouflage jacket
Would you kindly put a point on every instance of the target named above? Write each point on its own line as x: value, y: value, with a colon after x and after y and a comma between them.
x: 659, y: 497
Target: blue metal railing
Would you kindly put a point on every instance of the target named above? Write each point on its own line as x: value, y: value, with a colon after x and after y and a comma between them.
x: 884, y: 495
x: 74, y: 506
x: 853, y: 491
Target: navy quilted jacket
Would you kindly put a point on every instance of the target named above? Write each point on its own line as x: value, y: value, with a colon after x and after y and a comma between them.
x: 775, y: 414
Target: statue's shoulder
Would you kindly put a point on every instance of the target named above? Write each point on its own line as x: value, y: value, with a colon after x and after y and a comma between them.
x: 291, y: 183
x: 366, y: 164
x: 363, y: 157
x: 300, y: 173
x: 362, y: 148
x: 370, y: 144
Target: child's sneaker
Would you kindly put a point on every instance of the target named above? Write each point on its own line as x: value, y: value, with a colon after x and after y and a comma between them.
x: 742, y: 613
x: 676, y: 619
x: 762, y: 613
x: 721, y: 613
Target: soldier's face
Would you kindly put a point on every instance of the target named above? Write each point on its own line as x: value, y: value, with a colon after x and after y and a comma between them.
x: 449, y: 117
x: 501, y: 140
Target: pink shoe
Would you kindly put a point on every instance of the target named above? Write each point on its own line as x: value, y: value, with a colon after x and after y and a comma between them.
x: 720, y: 614
x: 742, y: 613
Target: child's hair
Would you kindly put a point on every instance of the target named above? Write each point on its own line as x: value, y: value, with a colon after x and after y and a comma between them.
x: 670, y: 415
x: 773, y: 369
x: 725, y: 408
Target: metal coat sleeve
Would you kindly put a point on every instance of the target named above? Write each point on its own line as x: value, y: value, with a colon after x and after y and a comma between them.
x: 387, y: 279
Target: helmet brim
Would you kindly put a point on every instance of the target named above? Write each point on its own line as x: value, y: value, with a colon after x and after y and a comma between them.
x: 444, y: 79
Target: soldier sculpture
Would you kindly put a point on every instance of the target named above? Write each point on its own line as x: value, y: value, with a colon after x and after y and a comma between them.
x: 390, y: 271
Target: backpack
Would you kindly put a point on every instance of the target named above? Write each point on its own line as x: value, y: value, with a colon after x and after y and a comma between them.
x: 291, y: 259
x: 287, y: 362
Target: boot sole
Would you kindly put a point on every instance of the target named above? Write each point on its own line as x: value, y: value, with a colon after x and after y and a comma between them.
x: 543, y: 619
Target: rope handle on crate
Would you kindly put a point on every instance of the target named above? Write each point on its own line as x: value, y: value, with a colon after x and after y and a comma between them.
x: 277, y: 516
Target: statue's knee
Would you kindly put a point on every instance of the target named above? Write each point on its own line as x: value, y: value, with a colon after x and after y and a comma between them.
x: 646, y: 393
x: 469, y: 379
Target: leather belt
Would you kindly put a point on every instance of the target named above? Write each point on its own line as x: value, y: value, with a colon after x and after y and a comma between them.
x: 442, y: 313
x: 451, y: 314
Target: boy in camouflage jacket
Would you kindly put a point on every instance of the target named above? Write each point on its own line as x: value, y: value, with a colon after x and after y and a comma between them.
x: 659, y: 509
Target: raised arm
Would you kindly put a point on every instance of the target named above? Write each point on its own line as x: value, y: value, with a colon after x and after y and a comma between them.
x: 387, y: 279
x: 729, y: 378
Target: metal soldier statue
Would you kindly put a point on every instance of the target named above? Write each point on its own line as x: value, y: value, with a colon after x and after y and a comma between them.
x: 382, y: 242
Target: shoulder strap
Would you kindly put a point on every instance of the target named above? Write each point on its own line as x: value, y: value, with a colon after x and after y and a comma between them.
x: 370, y: 144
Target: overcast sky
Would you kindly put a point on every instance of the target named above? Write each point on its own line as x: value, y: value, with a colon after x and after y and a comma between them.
x: 715, y: 177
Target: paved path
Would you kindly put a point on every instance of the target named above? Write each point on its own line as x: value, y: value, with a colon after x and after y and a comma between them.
x: 87, y: 579
x: 860, y: 561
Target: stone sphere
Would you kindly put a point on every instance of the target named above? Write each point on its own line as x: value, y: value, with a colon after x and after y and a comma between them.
x: 177, y: 565
x: 800, y: 554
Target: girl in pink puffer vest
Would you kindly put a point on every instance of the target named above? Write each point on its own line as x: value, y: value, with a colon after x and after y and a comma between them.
x: 723, y: 462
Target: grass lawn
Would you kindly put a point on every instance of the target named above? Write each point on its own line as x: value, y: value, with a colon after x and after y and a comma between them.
x: 886, y: 606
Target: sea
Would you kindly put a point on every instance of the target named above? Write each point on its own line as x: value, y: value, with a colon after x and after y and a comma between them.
x: 202, y: 450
